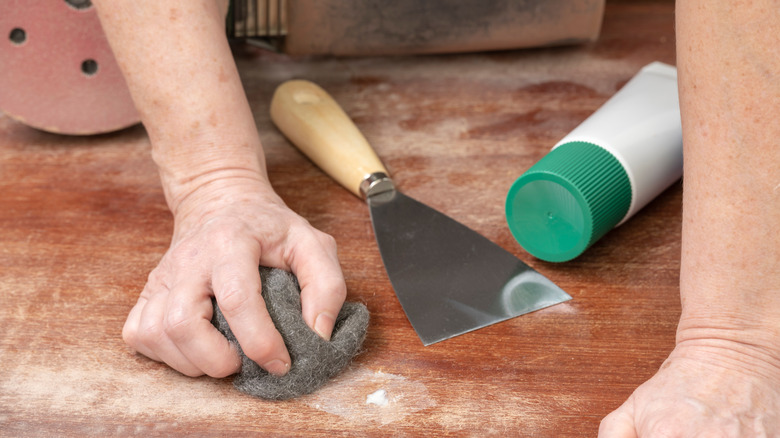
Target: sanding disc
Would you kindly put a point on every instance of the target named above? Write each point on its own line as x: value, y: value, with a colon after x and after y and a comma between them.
x: 57, y: 71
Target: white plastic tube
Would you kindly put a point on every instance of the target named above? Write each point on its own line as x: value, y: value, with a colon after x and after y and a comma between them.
x: 603, y: 172
x: 640, y: 127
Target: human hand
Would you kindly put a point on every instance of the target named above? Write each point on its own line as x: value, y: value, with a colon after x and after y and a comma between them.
x: 223, y: 232
x: 713, y: 389
x: 227, y: 218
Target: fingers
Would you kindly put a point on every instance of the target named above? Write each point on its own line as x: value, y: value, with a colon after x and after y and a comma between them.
x: 155, y: 337
x: 187, y: 324
x: 618, y: 424
x: 131, y: 330
x: 171, y: 322
x: 173, y: 325
x: 236, y: 283
x: 144, y: 331
x: 323, y: 289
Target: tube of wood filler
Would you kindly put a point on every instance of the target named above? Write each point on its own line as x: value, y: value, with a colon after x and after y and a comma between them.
x: 603, y: 172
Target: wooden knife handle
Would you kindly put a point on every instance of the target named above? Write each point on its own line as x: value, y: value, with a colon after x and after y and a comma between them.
x: 310, y: 118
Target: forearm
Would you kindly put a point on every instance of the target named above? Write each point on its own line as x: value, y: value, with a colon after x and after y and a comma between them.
x: 729, y: 70
x: 184, y: 82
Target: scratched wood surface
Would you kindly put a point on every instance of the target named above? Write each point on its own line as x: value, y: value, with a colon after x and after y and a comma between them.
x: 83, y: 220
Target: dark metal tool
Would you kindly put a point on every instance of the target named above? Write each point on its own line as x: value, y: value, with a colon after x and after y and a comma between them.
x: 449, y: 279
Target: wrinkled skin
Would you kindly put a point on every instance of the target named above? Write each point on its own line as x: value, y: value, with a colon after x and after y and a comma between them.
x: 698, y: 393
x: 227, y: 219
x: 723, y: 377
x: 720, y: 380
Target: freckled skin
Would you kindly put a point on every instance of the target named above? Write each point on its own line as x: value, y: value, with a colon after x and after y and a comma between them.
x: 227, y: 219
x: 723, y: 377
x: 223, y: 76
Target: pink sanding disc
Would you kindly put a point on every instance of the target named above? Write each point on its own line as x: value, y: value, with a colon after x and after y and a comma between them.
x: 57, y: 71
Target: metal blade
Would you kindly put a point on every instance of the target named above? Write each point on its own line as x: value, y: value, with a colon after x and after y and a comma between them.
x: 449, y: 279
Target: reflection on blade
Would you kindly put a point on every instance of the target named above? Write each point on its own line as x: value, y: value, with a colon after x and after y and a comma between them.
x: 449, y: 279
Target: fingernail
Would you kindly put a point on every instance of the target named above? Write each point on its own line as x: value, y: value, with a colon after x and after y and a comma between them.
x: 323, y: 325
x: 277, y: 367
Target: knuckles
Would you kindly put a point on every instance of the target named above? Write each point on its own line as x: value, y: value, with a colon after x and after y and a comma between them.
x: 232, y: 300
x: 260, y: 352
x: 178, y: 323
x: 327, y: 241
x: 130, y: 335
x: 150, y: 333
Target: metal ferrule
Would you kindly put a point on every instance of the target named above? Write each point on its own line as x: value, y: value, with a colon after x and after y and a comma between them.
x: 376, y: 183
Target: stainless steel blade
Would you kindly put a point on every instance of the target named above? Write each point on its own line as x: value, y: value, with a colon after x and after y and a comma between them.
x: 450, y: 279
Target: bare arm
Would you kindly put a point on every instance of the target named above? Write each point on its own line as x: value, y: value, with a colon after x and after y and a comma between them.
x: 729, y: 62
x: 723, y: 377
x: 185, y: 84
x: 176, y: 60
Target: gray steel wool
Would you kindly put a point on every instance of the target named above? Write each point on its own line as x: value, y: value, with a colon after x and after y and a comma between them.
x: 314, y: 360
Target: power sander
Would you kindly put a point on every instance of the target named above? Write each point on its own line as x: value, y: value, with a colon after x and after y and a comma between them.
x: 57, y: 72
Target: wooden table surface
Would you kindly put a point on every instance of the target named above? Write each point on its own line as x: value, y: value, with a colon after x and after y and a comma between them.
x: 83, y: 221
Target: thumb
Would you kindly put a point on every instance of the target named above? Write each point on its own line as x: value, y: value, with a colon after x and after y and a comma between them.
x: 620, y: 423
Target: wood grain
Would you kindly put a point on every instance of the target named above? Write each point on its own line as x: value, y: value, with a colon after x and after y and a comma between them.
x: 83, y: 221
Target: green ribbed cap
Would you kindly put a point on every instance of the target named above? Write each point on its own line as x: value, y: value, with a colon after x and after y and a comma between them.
x: 567, y: 201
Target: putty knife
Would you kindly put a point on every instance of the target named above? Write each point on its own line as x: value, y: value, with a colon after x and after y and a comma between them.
x: 449, y: 279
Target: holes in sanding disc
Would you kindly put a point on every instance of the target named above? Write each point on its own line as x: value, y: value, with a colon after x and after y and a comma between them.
x: 89, y: 67
x: 17, y: 36
x: 79, y: 4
